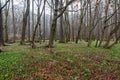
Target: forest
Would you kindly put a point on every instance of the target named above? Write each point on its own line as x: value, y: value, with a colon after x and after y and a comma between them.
x: 59, y: 39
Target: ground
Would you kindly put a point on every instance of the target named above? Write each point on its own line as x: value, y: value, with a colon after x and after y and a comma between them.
x: 67, y: 61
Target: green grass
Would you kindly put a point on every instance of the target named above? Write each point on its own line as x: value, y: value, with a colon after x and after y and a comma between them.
x: 68, y: 61
x: 14, y: 60
x: 115, y: 51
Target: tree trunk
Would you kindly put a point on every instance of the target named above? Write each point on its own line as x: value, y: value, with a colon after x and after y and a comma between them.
x: 53, y: 27
x: 14, y: 27
x: 67, y: 28
x: 54, y: 23
x: 90, y: 25
x: 25, y: 23
x: 32, y: 16
x: 44, y: 22
x: 110, y: 36
x: 62, y: 40
x: 1, y: 28
x: 105, y: 23
x: 72, y: 23
x: 6, y: 22
x: 38, y: 23
x: 52, y: 34
x: 29, y: 30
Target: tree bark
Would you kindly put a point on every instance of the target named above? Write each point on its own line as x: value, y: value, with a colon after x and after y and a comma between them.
x: 44, y: 22
x: 54, y: 22
x: 1, y: 27
x: 6, y: 22
x: 13, y: 19
x: 25, y: 23
x: 83, y: 12
x: 62, y: 40
x: 38, y: 22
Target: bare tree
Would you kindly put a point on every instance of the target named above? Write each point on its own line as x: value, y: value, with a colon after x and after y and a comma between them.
x: 62, y: 39
x: 38, y: 22
x: 83, y: 10
x: 1, y: 24
x: 6, y: 21
x: 29, y: 26
x: 54, y: 21
x: 25, y: 15
x: 1, y: 27
x: 44, y: 30
x: 13, y: 19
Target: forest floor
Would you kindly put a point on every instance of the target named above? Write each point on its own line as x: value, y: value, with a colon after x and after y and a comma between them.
x: 68, y: 61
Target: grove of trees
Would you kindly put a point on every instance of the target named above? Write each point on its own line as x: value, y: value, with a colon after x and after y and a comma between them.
x: 30, y: 21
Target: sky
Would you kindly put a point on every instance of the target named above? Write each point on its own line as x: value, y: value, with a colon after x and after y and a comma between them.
x: 20, y: 4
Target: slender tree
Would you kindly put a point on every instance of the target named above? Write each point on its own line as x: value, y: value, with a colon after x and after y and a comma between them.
x: 82, y: 11
x: 44, y: 26
x: 54, y: 21
x: 38, y: 22
x: 6, y: 21
x: 62, y: 39
x: 25, y: 16
x: 29, y: 24
x: 13, y: 19
x: 32, y: 16
x: 1, y: 26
